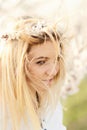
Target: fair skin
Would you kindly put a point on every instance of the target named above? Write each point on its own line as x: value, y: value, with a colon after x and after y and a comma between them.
x: 43, y: 63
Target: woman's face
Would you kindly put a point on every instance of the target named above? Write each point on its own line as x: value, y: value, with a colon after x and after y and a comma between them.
x: 43, y: 64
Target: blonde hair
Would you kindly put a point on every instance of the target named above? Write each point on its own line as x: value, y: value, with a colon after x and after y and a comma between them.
x: 18, y: 99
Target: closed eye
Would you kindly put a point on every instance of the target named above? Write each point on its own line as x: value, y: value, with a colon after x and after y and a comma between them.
x: 58, y: 58
x: 41, y: 62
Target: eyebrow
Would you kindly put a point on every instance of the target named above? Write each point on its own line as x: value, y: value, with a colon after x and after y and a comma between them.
x: 38, y: 58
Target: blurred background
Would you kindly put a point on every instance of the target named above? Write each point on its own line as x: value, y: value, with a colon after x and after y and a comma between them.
x: 73, y: 14
x: 75, y: 108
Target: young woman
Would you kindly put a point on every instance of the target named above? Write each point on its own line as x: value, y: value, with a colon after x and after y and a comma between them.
x: 32, y: 65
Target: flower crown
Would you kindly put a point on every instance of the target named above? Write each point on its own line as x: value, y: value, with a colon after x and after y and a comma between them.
x: 29, y: 29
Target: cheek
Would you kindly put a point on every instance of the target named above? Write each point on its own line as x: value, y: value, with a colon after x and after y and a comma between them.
x: 58, y: 68
x: 37, y: 70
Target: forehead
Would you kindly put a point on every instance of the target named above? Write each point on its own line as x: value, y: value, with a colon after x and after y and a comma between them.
x: 46, y: 49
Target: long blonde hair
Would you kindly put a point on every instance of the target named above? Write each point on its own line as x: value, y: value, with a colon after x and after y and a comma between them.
x: 17, y: 95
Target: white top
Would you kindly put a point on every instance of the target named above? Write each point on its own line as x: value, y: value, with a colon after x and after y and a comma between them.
x: 55, y: 122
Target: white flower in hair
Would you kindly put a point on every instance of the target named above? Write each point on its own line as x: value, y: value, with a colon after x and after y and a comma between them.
x: 35, y: 28
x: 39, y: 26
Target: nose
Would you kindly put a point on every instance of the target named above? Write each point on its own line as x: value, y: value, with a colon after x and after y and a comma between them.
x: 52, y: 70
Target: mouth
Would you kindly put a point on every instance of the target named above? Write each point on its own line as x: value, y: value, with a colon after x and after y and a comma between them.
x: 48, y: 82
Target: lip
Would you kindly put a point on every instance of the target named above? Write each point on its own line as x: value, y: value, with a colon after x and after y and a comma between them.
x: 48, y: 81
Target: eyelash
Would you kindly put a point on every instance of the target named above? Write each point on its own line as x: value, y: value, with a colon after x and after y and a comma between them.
x: 41, y: 62
x: 58, y: 58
